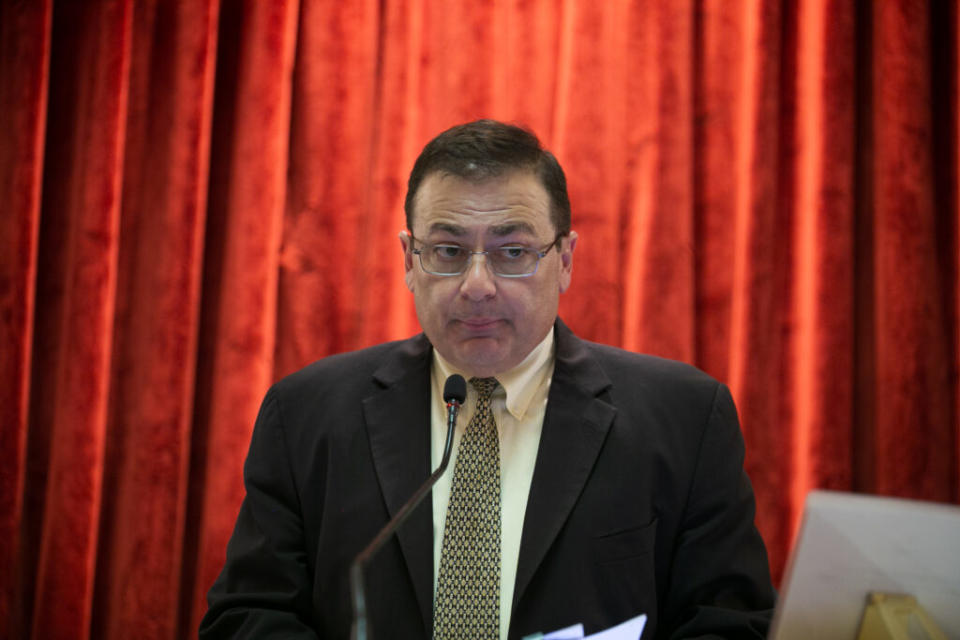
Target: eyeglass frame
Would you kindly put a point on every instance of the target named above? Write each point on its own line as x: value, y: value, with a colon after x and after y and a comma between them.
x: 540, y: 253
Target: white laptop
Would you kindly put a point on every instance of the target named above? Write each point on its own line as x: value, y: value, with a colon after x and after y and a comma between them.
x: 850, y: 545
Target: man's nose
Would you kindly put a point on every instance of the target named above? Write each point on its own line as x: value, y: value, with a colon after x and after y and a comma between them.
x: 478, y: 280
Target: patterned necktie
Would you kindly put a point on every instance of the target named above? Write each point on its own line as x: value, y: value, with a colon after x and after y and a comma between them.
x: 468, y: 587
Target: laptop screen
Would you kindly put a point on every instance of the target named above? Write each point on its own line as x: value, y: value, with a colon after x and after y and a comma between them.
x: 850, y: 545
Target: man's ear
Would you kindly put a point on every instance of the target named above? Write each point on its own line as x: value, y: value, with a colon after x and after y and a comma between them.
x: 406, y: 243
x: 567, y: 245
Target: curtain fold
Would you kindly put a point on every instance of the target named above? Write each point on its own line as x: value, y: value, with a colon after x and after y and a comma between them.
x: 24, y: 64
x: 819, y: 200
x: 201, y: 197
x: 76, y: 303
x: 913, y: 271
x: 248, y: 176
x: 154, y: 335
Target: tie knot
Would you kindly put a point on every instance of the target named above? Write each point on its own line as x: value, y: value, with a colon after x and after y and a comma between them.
x: 484, y: 386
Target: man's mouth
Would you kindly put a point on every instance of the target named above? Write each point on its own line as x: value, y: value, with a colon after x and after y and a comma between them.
x: 479, y: 324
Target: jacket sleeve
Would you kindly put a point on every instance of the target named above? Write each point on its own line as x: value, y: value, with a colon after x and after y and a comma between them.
x: 720, y: 581
x: 264, y: 589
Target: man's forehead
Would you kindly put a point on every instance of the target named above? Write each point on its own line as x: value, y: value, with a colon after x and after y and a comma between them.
x: 511, y: 202
x: 498, y: 229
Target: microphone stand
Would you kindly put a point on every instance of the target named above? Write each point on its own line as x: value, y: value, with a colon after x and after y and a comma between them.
x: 357, y: 590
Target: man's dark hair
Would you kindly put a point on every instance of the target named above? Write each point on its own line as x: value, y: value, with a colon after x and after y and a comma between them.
x: 486, y: 149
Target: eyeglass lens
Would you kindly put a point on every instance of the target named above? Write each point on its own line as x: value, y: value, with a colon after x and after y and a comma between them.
x: 453, y: 260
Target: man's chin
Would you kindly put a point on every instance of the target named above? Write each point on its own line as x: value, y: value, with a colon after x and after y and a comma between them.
x: 481, y: 357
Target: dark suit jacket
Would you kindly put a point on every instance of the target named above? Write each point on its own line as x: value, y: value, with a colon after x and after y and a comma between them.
x: 639, y: 503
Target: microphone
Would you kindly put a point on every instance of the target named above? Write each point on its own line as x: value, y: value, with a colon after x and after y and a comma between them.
x: 454, y: 393
x: 455, y: 390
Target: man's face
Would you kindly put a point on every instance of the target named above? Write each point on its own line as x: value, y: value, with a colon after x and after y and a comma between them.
x: 482, y: 323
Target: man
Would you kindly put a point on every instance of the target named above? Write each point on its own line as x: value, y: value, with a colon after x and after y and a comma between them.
x: 589, y: 485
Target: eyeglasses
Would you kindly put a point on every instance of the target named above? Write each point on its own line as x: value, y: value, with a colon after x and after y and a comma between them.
x: 510, y: 261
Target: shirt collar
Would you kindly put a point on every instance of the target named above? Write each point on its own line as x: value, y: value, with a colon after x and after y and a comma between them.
x: 520, y: 383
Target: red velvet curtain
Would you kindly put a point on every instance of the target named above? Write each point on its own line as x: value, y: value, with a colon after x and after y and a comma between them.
x: 199, y: 197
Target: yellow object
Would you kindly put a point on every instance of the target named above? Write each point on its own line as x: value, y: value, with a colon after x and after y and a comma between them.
x: 890, y: 616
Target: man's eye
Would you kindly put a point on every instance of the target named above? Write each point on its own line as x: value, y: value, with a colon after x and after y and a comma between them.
x: 447, y: 251
x: 512, y: 253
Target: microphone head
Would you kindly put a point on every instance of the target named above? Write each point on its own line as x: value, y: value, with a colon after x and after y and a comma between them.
x: 455, y: 389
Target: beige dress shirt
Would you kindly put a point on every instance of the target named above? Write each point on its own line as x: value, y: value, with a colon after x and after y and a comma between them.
x: 518, y: 405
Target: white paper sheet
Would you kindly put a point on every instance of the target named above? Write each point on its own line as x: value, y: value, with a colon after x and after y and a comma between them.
x: 632, y: 629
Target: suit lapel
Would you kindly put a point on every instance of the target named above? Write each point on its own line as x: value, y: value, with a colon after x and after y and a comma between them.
x: 574, y: 429
x: 398, y: 424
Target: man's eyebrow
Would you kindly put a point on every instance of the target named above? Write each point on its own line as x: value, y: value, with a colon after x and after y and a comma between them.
x: 446, y: 227
x: 512, y: 227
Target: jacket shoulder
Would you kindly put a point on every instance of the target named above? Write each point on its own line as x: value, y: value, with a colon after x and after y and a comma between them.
x: 352, y: 369
x: 623, y: 365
